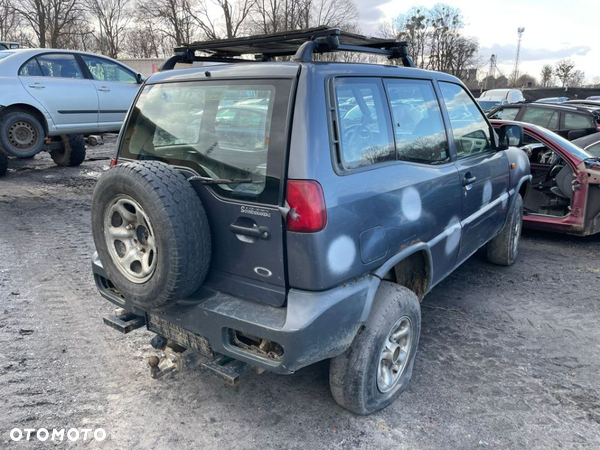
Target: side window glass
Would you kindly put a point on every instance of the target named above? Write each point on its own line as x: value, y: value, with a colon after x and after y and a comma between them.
x: 471, y: 131
x: 418, y: 124
x: 538, y: 116
x: 505, y: 114
x: 364, y: 125
x: 59, y: 65
x: 553, y: 123
x: 577, y: 121
x: 104, y: 70
x: 31, y: 69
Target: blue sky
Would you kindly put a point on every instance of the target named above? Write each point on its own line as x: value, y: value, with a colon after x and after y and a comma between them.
x: 553, y: 29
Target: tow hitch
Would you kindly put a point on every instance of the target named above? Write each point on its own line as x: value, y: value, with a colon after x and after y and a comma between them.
x: 172, y: 358
x: 176, y: 358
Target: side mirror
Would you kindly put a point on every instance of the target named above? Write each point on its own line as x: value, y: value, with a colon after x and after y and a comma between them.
x: 510, y: 136
x: 139, y: 78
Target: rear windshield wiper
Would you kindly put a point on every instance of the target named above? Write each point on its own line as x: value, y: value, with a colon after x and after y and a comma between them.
x: 209, y: 180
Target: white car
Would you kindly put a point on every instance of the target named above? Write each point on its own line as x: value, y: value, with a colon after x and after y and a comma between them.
x: 47, y: 93
x: 500, y: 95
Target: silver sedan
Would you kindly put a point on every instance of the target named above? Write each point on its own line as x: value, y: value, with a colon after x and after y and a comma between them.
x: 48, y: 93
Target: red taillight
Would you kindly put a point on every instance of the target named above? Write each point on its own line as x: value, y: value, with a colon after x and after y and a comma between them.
x: 598, y: 127
x: 307, y: 206
x: 113, y: 162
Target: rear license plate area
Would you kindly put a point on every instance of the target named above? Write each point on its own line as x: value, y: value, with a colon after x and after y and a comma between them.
x: 181, y: 336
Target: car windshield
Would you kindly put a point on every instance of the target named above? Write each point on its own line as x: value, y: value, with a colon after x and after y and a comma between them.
x: 222, y: 130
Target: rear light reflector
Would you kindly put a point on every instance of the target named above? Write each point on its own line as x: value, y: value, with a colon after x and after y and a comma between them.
x: 307, y: 206
x: 113, y: 162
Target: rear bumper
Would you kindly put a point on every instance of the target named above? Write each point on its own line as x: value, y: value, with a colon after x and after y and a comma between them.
x: 312, y: 326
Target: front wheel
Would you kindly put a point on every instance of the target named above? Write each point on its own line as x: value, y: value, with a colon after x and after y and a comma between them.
x: 503, y: 249
x: 72, y: 151
x: 378, y: 366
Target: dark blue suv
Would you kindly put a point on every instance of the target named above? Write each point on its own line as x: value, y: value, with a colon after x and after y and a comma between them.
x: 275, y: 214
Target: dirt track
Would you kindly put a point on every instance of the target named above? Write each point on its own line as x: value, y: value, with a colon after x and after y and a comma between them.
x: 508, y: 357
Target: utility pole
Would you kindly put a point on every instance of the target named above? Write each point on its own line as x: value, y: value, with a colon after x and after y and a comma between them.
x: 515, y: 75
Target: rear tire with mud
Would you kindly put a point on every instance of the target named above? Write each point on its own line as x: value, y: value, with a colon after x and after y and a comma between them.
x: 21, y: 134
x: 72, y: 151
x: 151, y: 232
x: 378, y: 366
x: 503, y: 249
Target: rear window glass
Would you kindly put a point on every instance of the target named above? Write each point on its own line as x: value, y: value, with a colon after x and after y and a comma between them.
x: 577, y: 121
x: 364, y: 125
x: 223, y: 130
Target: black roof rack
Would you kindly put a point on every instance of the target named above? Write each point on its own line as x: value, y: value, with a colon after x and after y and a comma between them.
x: 301, y: 44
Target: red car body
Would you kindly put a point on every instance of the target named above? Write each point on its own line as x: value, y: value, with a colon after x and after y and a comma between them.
x: 583, y: 218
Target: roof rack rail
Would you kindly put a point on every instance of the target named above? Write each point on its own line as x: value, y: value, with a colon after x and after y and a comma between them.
x: 300, y: 44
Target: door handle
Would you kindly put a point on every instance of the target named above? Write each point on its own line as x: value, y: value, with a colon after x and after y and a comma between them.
x: 468, y: 179
x: 104, y: 89
x: 37, y: 86
x: 255, y: 232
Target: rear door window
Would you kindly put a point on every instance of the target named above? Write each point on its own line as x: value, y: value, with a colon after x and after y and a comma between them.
x: 505, y: 114
x: 577, y: 121
x: 231, y: 130
x: 31, y: 69
x: 59, y: 65
x: 546, y: 118
x: 363, y: 122
x: 417, y: 120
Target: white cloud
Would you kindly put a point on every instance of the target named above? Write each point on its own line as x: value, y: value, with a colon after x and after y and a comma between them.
x: 553, y: 29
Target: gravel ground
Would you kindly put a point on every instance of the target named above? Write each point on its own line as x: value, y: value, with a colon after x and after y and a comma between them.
x: 509, y: 358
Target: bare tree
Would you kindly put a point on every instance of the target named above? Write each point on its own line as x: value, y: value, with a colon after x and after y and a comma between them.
x: 272, y: 16
x: 235, y: 16
x: 436, y: 39
x: 577, y: 78
x: 113, y: 17
x: 172, y: 18
x: 564, y: 70
x: 143, y: 41
x: 547, y: 76
x: 10, y: 21
x: 51, y: 20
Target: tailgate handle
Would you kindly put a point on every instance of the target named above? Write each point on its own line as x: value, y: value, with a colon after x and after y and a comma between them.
x: 255, y: 232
